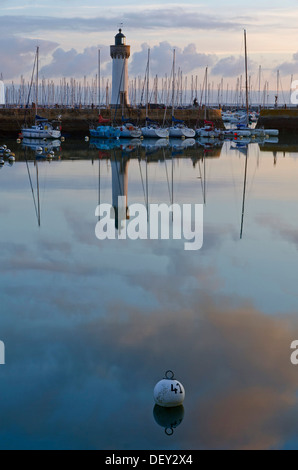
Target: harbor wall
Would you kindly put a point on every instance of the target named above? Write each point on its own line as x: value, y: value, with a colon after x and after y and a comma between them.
x: 285, y: 120
x: 76, y: 121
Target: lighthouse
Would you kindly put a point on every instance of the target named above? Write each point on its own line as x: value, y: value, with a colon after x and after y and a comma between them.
x: 120, y: 54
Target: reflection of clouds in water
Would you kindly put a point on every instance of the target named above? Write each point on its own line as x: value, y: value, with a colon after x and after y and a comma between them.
x: 234, y: 365
x: 91, y: 327
x: 81, y: 229
x: 284, y: 230
x: 82, y: 375
x: 3, y: 209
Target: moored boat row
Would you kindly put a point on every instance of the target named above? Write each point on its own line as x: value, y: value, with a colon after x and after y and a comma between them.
x: 179, y: 131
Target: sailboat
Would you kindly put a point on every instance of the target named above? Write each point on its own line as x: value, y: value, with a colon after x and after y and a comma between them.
x: 209, y: 130
x: 178, y: 128
x: 242, y: 128
x: 43, y: 129
x: 151, y: 129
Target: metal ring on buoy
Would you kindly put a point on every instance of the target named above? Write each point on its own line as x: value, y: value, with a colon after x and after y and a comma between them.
x: 172, y: 375
x: 169, y: 433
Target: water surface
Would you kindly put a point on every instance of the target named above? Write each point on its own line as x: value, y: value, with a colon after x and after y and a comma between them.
x: 91, y: 326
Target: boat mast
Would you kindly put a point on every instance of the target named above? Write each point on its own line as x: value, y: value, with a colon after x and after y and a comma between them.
x: 277, y: 88
x: 38, y: 195
x: 260, y: 77
x: 246, y: 156
x: 244, y: 195
x: 147, y: 89
x: 246, y: 77
x: 37, y: 72
x: 99, y: 78
x: 173, y: 87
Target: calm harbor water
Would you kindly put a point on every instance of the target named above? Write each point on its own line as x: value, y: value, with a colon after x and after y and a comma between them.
x: 91, y: 326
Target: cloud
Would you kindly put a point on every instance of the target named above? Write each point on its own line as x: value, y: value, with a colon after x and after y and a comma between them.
x: 161, y: 59
x: 145, y: 19
x: 232, y: 66
x: 72, y: 63
x: 17, y: 54
x: 289, y: 68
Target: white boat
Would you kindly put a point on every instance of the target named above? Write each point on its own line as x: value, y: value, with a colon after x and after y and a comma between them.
x: 43, y: 129
x: 265, y: 132
x: 182, y: 131
x: 237, y: 133
x: 155, y: 132
x: 208, y: 131
x: 227, y: 116
x: 129, y: 131
x: 238, y: 118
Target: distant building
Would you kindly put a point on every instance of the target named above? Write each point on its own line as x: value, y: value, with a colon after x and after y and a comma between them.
x: 2, y: 93
x: 120, y: 54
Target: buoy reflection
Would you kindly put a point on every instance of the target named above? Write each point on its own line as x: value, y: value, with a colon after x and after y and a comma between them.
x: 168, y: 418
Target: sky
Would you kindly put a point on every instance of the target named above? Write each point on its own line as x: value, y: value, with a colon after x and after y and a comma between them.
x: 204, y: 33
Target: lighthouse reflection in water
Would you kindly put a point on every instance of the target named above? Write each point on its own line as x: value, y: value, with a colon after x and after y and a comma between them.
x: 120, y: 153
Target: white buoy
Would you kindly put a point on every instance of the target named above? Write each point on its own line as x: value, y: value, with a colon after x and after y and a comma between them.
x: 86, y: 139
x: 169, y: 393
x: 62, y: 139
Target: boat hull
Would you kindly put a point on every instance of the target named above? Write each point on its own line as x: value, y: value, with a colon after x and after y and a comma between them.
x: 130, y: 133
x: 105, y: 132
x: 35, y: 133
x: 155, y: 133
x: 182, y: 132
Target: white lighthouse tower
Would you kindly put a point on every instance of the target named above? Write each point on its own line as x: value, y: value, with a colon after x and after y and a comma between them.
x: 120, y: 54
